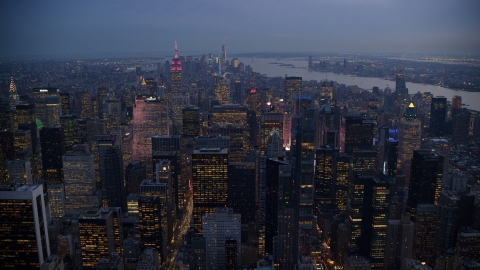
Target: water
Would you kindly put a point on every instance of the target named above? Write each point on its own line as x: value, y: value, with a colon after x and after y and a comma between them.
x: 263, y: 66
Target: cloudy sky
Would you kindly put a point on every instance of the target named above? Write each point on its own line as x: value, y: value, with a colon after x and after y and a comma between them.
x: 125, y: 26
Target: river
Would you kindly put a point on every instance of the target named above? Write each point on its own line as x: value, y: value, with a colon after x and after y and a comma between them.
x: 263, y: 66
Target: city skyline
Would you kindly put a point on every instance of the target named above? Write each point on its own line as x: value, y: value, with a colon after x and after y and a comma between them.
x: 443, y: 27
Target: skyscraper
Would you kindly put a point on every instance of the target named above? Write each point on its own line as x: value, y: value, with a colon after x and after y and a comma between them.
x: 191, y: 122
x: 409, y: 139
x: 178, y: 103
x: 40, y: 99
x: 268, y: 123
x: 217, y: 227
x: 210, y: 182
x: 400, y: 87
x: 302, y: 156
x: 356, y: 134
x: 79, y: 177
x: 24, y: 234
x: 426, y: 179
x: 113, y: 188
x: 176, y: 75
x: 222, y: 91
x: 65, y: 102
x: 242, y: 189
x: 150, y: 218
x: 134, y: 175
x: 324, y: 176
x: 150, y: 119
x: 438, y: 114
x: 69, y: 125
x: 100, y: 233
x: 86, y: 105
x: 53, y: 148
x: 293, y: 88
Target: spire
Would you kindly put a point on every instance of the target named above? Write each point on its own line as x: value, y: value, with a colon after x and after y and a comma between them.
x: 176, y: 50
x: 13, y: 89
x: 410, y: 112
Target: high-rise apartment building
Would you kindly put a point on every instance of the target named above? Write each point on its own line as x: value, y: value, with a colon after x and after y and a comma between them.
x: 24, y: 234
x: 210, y: 182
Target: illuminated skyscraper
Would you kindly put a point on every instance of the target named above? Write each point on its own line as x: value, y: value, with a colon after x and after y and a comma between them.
x: 341, y: 175
x: 12, y: 92
x: 24, y: 234
x: 178, y: 103
x: 191, y: 122
x: 222, y: 91
x: 86, y: 105
x: 232, y: 117
x: 150, y: 119
x: 24, y: 113
x: 53, y: 148
x: 65, y: 102
x: 79, y: 177
x: 150, y: 218
x: 438, y: 114
x: 41, y: 104
x: 293, y: 88
x: 56, y: 199
x: 176, y: 75
x: 100, y: 233
x: 409, y: 139
x: 268, y: 123
x: 324, y: 176
x: 210, y: 182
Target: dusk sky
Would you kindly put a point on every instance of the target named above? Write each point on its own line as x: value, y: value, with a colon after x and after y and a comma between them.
x: 125, y: 26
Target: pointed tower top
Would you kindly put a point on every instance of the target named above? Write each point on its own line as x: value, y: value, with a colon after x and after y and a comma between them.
x: 176, y: 50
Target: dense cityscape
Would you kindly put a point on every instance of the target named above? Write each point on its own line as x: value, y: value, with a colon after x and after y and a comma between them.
x: 202, y: 162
